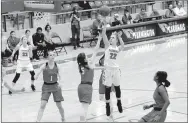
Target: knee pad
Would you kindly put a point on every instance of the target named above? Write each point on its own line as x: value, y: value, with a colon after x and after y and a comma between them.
x: 32, y: 75
x: 107, y: 92
x: 16, y: 78
x: 118, y: 91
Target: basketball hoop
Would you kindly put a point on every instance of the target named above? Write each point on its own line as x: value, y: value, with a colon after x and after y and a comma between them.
x: 41, y: 19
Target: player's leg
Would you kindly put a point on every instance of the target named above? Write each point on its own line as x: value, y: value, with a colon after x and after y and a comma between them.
x: 85, y: 97
x: 58, y: 98
x: 32, y: 73
x: 13, y: 90
x: 141, y: 120
x: 108, y: 84
x: 44, y: 101
x: 116, y: 82
x: 85, y: 107
x: 61, y: 110
x: 17, y: 76
x: 101, y: 87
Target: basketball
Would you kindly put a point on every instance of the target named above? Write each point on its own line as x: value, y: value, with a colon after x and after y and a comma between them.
x: 104, y: 11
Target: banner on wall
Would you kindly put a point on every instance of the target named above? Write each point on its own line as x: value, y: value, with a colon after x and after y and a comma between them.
x: 138, y: 33
x: 172, y: 27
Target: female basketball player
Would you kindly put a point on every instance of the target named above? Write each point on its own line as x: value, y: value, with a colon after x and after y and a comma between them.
x: 85, y: 89
x: 25, y: 55
x: 102, y: 86
x: 112, y: 71
x: 158, y: 114
x: 51, y: 72
x: 5, y: 84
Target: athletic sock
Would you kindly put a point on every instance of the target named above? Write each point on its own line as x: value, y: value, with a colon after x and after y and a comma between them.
x: 119, y: 106
x: 107, y: 109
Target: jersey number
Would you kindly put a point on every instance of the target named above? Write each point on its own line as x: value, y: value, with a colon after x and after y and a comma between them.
x: 51, y: 78
x: 113, y: 55
x: 24, y: 54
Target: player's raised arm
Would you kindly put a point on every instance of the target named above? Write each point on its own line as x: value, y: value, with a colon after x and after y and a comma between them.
x: 93, y: 57
x: 105, y: 39
x: 121, y: 47
x: 40, y: 71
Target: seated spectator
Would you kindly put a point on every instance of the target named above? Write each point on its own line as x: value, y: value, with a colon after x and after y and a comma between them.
x: 140, y: 16
x: 179, y: 10
x: 96, y: 25
x: 126, y: 19
x: 154, y: 13
x: 38, y: 41
x: 4, y: 52
x: 48, y: 37
x: 85, y: 5
x: 115, y: 21
x: 12, y: 42
x: 169, y: 12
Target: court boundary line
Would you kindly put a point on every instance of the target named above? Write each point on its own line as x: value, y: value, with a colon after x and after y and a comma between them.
x: 139, y: 105
x: 28, y: 92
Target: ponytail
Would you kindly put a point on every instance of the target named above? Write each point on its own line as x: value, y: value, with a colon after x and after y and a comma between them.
x: 166, y: 83
x: 80, y: 70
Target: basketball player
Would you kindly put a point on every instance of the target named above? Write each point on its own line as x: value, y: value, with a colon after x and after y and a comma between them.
x: 102, y: 87
x: 25, y: 55
x: 86, y: 68
x: 158, y: 114
x: 5, y: 84
x: 51, y: 72
x: 112, y: 71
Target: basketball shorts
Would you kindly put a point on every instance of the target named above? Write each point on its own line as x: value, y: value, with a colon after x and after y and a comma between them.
x: 21, y: 64
x: 151, y: 116
x: 102, y: 86
x: 85, y: 93
x: 55, y: 90
x: 112, y: 76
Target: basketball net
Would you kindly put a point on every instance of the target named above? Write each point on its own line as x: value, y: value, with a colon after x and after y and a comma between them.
x: 41, y: 19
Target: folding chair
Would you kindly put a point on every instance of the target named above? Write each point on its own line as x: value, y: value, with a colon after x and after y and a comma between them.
x: 40, y: 53
x: 59, y: 45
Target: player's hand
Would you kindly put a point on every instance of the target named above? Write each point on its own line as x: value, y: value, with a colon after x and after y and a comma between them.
x: 60, y: 85
x: 146, y: 107
x: 11, y: 57
x: 104, y: 30
x: 101, y: 97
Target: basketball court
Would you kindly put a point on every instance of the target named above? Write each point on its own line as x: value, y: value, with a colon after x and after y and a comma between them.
x: 139, y: 62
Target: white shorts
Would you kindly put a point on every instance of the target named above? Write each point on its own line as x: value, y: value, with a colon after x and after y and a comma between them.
x: 21, y: 64
x: 112, y: 76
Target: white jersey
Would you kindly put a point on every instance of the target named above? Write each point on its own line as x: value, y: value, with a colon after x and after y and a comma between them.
x: 111, y: 56
x: 24, y: 53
